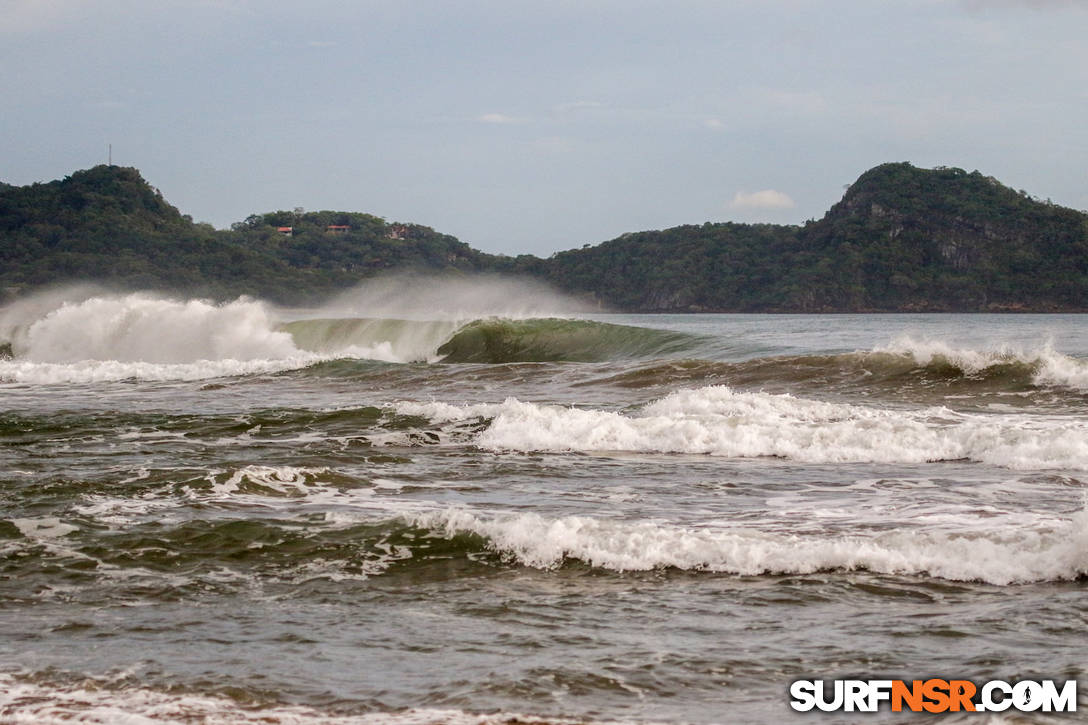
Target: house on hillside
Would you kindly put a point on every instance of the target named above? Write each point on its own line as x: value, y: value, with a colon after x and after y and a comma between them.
x: 398, y: 231
x: 285, y: 231
x: 337, y: 229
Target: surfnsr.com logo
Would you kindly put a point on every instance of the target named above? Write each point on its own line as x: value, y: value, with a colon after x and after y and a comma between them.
x: 933, y: 695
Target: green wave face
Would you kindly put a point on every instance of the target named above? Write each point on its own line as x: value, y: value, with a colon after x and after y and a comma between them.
x: 389, y: 339
x: 557, y: 340
x: 490, y: 340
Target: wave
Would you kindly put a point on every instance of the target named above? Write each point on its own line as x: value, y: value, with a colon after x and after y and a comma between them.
x: 720, y: 421
x: 149, y: 329
x: 387, y: 340
x: 999, y: 557
x: 1041, y: 367
x: 101, y: 337
x: 143, y: 336
x: 906, y: 365
x: 550, y: 340
x: 491, y: 340
x: 104, y: 371
x: 359, y: 543
x: 108, y: 337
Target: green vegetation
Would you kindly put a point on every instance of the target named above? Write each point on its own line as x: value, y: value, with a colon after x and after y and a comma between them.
x: 108, y: 225
x: 902, y: 238
x: 905, y: 238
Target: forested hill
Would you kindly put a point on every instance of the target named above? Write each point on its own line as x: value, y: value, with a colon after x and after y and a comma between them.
x: 902, y: 238
x: 905, y: 238
x: 108, y: 225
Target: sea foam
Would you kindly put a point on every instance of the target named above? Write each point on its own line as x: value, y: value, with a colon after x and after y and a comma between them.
x: 32, y: 700
x: 142, y: 336
x: 99, y: 337
x: 1000, y: 556
x: 719, y: 421
x: 144, y: 328
x: 1048, y: 366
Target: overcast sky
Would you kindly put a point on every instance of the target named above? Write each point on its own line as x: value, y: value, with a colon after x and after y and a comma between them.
x: 539, y: 126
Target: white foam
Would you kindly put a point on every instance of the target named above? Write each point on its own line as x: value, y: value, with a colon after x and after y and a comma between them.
x: 284, y: 480
x: 1050, y: 367
x: 998, y: 556
x: 101, y: 371
x: 30, y: 701
x: 122, y: 512
x: 439, y: 412
x: 1057, y: 369
x: 92, y: 337
x: 719, y: 421
x: 46, y: 528
x: 144, y: 328
x: 110, y: 337
x: 142, y: 336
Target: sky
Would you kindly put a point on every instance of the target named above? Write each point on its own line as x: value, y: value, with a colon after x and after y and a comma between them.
x: 532, y: 127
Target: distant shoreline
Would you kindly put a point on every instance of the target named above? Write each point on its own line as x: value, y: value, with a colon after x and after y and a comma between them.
x: 902, y: 239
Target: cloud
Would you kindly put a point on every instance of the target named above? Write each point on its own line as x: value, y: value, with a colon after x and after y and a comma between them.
x: 714, y: 124
x: 766, y: 199
x: 496, y: 118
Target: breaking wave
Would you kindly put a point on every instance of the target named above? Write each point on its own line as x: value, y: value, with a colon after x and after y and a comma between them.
x: 905, y: 365
x: 142, y: 336
x: 388, y: 340
x: 1042, y: 366
x: 351, y: 544
x: 101, y: 337
x: 116, y: 337
x: 720, y: 421
x: 148, y: 329
x: 547, y: 340
x: 491, y: 340
x: 1001, y: 557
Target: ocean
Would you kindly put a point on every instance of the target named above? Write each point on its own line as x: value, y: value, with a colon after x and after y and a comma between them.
x: 436, y: 505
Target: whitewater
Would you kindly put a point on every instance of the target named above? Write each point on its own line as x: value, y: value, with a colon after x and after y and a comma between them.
x: 475, y: 502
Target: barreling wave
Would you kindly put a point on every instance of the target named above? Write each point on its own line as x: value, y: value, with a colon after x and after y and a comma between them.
x: 142, y: 336
x: 490, y: 340
x: 104, y: 337
x: 387, y: 340
x: 555, y: 340
x: 720, y: 421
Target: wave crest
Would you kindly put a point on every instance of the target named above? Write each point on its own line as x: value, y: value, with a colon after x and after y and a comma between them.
x: 999, y: 557
x: 551, y: 340
x: 1043, y: 366
x: 720, y: 421
x: 144, y: 328
x: 114, y: 337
